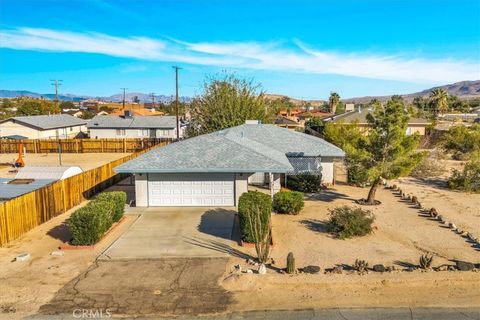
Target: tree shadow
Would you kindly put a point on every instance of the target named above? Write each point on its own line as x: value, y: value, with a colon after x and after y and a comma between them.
x: 327, y: 196
x: 60, y: 232
x: 315, y: 225
x: 218, y: 222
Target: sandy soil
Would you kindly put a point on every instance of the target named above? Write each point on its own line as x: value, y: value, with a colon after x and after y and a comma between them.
x: 86, y: 161
x: 401, y: 235
x: 27, y: 285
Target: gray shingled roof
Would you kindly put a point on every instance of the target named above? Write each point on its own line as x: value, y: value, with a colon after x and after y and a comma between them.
x: 245, y: 148
x: 9, y: 191
x: 120, y: 122
x: 46, y: 122
x: 361, y: 117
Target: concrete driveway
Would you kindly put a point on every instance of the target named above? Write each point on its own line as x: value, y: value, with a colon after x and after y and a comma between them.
x: 176, y: 232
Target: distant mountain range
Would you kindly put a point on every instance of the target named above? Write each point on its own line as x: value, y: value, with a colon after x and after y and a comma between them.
x: 129, y: 97
x: 463, y: 90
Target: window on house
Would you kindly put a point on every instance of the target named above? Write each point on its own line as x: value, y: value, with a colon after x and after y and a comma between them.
x: 120, y: 132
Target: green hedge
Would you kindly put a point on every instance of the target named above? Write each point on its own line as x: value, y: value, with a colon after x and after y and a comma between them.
x: 88, y: 224
x: 290, y: 202
x: 307, y: 183
x: 249, y: 204
x: 117, y: 200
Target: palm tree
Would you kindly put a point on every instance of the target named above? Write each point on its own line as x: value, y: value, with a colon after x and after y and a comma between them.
x: 333, y: 101
x: 440, y: 100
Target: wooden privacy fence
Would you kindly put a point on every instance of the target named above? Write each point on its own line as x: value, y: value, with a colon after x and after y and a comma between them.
x: 23, y: 213
x: 80, y: 145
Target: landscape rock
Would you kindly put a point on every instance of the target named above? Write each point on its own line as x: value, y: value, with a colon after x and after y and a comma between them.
x: 311, y: 269
x: 465, y: 266
x: 433, y: 213
x: 8, y: 309
x: 249, y: 271
x: 57, y: 253
x: 337, y: 269
x: 262, y: 269
x: 379, y: 268
x: 442, y: 268
x: 22, y: 257
x: 238, y: 268
x: 452, y: 225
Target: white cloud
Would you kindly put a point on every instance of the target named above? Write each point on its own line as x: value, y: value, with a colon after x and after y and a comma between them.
x: 252, y: 55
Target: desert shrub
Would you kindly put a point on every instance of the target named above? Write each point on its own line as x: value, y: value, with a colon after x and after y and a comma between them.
x: 428, y: 167
x: 307, y: 183
x: 462, y: 141
x: 117, y: 200
x: 349, y: 222
x: 251, y: 205
x: 290, y: 202
x: 88, y: 224
x: 468, y: 179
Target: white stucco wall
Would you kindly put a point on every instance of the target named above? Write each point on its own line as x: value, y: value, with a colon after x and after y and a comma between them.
x: 275, y: 183
x: 141, y: 190
x: 241, y: 185
x: 96, y: 133
x: 9, y: 128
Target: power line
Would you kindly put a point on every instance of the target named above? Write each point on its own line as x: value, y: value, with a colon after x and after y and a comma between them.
x: 176, y: 100
x: 152, y: 96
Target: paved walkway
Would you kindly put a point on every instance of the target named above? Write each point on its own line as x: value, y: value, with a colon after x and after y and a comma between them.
x: 175, y: 232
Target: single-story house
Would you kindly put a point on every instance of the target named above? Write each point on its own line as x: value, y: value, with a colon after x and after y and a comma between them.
x: 359, y: 116
x: 213, y: 169
x: 129, y: 126
x: 47, y: 172
x: 289, y: 122
x: 140, y: 112
x: 55, y: 126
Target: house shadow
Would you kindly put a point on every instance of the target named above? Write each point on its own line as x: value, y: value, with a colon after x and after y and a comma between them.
x: 60, y: 232
x: 327, y: 196
x: 315, y: 225
x: 218, y: 222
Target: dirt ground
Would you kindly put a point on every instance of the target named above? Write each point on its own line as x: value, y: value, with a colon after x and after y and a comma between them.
x: 163, y: 286
x: 86, y: 161
x: 25, y: 286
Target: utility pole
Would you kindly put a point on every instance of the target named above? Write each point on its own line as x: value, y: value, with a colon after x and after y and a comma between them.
x: 176, y: 100
x: 123, y: 101
x: 56, y: 83
x: 152, y: 96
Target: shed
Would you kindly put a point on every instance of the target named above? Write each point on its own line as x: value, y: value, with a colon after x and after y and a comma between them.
x: 47, y: 172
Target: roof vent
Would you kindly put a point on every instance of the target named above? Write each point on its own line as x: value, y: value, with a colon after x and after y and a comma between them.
x: 252, y: 122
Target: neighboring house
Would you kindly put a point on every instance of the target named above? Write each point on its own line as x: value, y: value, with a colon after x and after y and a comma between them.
x: 289, y: 112
x: 47, y: 172
x: 141, y: 112
x: 349, y: 107
x: 313, y: 114
x: 12, y: 188
x: 128, y: 126
x: 213, y: 169
x: 56, y: 126
x: 359, y: 116
x: 289, y: 122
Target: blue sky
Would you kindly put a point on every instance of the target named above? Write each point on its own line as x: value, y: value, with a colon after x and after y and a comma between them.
x: 304, y: 49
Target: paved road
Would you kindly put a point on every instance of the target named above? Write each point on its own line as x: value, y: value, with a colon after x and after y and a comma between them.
x: 327, y: 314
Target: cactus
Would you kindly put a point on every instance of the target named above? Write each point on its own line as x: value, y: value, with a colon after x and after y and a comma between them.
x: 290, y: 263
x: 414, y: 199
x: 433, y: 213
x: 425, y: 261
x: 394, y: 187
x: 360, y: 265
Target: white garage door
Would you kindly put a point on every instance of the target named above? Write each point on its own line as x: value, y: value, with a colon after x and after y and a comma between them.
x: 191, y: 189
